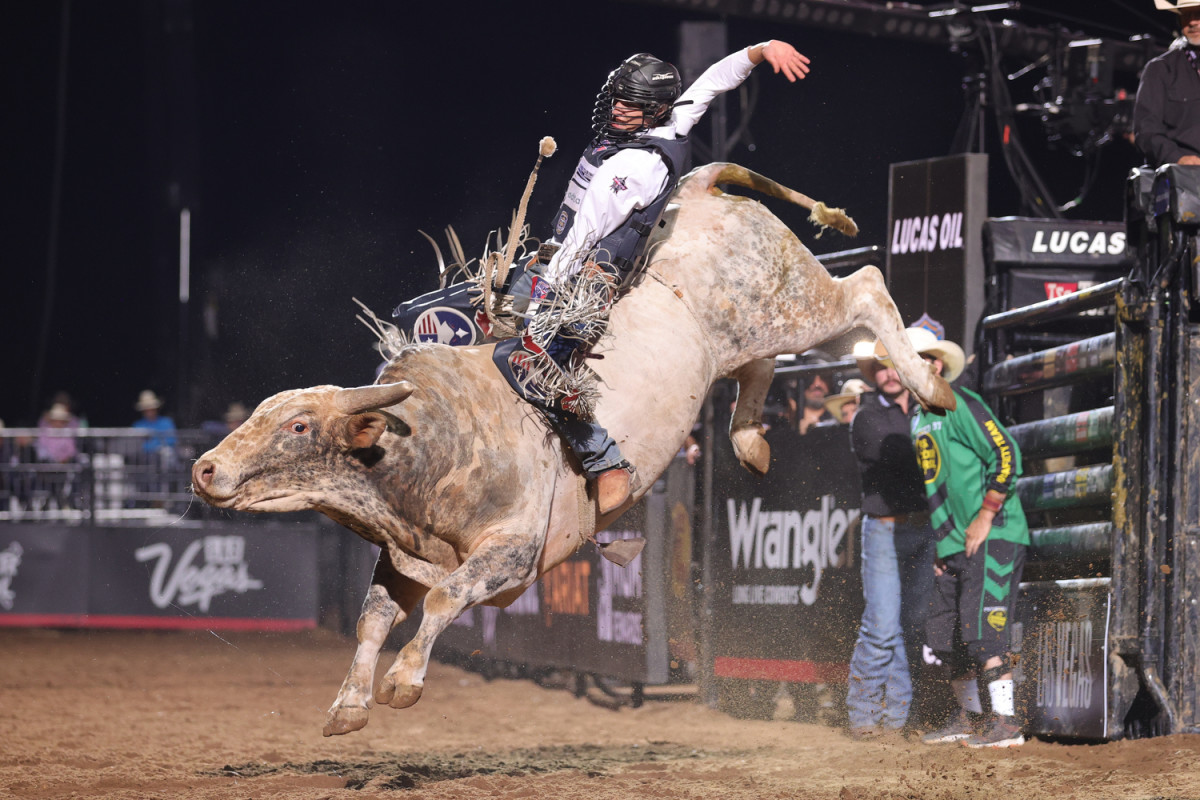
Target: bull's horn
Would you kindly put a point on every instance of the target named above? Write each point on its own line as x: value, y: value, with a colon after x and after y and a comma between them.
x: 369, y: 398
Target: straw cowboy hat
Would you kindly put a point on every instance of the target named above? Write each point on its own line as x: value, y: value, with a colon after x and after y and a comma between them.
x: 926, y: 343
x: 851, y: 389
x: 236, y: 413
x: 58, y: 413
x: 1166, y: 5
x: 147, y: 400
x: 864, y: 355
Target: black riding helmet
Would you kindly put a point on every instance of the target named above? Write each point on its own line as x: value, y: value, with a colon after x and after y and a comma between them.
x: 644, y: 81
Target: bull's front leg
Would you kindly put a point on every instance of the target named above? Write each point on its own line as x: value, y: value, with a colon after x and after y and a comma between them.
x: 746, y: 428
x: 389, y: 601
x: 501, y: 563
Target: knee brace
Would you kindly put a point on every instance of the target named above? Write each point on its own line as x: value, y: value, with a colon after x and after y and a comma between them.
x: 982, y: 651
x: 987, y: 676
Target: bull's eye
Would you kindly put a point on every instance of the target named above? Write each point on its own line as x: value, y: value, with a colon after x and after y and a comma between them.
x: 297, y: 426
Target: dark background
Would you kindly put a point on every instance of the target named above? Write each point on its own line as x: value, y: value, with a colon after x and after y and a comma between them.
x: 311, y: 141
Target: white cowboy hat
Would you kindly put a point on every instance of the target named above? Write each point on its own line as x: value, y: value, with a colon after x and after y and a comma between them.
x: 1166, y: 5
x: 147, y: 400
x: 851, y: 389
x: 58, y: 413
x: 864, y: 355
x: 924, y: 341
x: 236, y: 413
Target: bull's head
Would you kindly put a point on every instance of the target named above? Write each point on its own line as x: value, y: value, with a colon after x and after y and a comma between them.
x: 280, y: 458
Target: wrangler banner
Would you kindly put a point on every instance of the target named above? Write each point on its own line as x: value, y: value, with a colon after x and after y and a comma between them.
x: 788, y: 591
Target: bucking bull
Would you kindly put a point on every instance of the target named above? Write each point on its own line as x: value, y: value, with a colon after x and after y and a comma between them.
x: 465, y: 488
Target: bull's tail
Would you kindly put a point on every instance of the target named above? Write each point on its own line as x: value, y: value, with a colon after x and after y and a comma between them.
x: 706, y: 179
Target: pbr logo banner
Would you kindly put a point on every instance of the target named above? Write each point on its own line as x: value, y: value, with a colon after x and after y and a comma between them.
x: 789, y: 591
x: 936, y: 209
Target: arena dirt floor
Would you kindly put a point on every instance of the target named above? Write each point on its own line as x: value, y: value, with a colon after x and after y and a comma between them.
x: 200, y: 715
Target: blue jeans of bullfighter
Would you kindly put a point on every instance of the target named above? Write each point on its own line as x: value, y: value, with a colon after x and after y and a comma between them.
x: 897, y: 577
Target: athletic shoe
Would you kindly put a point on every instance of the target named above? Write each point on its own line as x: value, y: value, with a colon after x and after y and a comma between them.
x: 957, y: 729
x: 1000, y: 732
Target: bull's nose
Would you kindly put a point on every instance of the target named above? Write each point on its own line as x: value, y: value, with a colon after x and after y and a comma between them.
x: 202, y: 473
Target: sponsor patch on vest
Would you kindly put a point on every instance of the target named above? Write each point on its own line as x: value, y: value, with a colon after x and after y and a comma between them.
x: 444, y: 326
x: 997, y: 618
x: 560, y: 224
x: 928, y: 457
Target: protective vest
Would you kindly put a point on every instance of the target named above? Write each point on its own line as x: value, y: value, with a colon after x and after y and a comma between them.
x: 624, y: 246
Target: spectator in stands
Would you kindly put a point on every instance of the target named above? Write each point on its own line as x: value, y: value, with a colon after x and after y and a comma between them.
x: 1166, y: 115
x: 897, y: 553
x: 970, y: 465
x: 55, y: 442
x: 63, y: 397
x: 843, y: 405
x: 816, y: 388
x: 234, y: 416
x: 162, y: 437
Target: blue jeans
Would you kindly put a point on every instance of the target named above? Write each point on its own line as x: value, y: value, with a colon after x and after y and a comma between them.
x: 897, y: 576
x: 590, y: 442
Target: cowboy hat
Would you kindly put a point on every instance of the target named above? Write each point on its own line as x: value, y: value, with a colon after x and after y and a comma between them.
x: 59, y: 413
x: 864, y: 355
x: 1166, y: 5
x: 851, y: 389
x: 236, y: 413
x: 147, y: 400
x: 925, y: 342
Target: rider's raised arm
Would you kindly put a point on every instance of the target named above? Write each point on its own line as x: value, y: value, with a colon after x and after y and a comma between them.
x: 729, y: 73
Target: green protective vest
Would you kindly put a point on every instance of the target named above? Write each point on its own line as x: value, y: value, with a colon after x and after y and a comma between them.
x: 962, y: 454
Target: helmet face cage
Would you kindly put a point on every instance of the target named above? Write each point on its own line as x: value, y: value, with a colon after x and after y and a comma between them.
x: 644, y: 82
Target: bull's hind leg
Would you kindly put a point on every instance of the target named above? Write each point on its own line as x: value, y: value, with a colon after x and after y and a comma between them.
x: 501, y: 563
x: 872, y: 306
x: 745, y: 428
x: 389, y: 601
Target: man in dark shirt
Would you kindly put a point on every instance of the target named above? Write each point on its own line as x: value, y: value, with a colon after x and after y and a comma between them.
x: 1166, y: 116
x: 897, y: 554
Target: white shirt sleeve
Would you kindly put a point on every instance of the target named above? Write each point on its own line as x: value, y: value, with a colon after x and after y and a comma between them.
x: 629, y: 180
x: 726, y: 74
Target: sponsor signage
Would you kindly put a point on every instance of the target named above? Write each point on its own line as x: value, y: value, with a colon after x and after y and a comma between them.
x: 1040, y: 259
x: 788, y: 592
x: 249, y: 576
x: 1020, y: 241
x: 587, y: 614
x: 936, y: 208
x: 1060, y: 644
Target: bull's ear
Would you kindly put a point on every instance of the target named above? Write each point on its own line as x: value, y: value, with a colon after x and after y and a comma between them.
x: 363, y: 430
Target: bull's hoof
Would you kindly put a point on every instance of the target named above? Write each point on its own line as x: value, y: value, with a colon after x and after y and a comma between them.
x: 395, y: 696
x: 752, y: 449
x: 942, y: 397
x: 344, y: 719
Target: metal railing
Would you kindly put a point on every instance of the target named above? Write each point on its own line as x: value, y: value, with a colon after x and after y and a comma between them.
x: 104, y: 476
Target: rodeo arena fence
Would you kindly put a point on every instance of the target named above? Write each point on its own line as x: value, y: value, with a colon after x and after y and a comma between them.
x: 749, y: 589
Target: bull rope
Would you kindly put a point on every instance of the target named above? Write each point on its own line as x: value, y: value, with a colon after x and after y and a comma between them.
x: 496, y: 265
